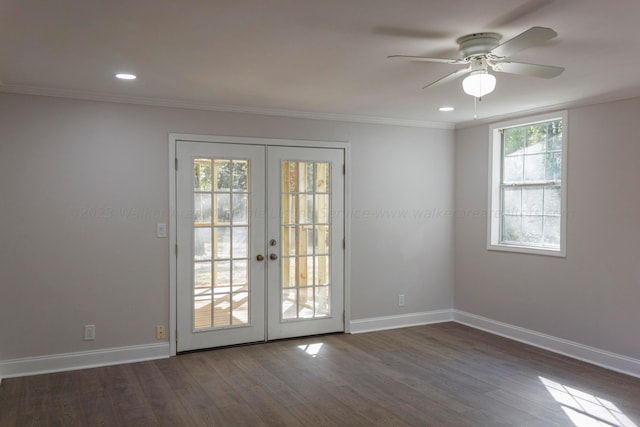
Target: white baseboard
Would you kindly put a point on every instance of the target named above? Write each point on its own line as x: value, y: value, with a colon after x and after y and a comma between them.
x: 138, y: 353
x: 400, y: 321
x: 81, y: 360
x: 595, y: 356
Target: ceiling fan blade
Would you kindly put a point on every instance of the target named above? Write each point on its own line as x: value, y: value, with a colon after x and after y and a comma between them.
x: 532, y: 37
x: 534, y: 70
x: 422, y: 58
x: 449, y: 77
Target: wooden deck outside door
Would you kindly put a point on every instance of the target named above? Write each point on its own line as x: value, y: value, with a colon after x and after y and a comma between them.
x: 260, y: 233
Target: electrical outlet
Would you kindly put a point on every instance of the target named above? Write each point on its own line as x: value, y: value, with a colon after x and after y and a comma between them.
x: 401, y: 300
x: 89, y: 332
x: 161, y: 229
x: 161, y: 333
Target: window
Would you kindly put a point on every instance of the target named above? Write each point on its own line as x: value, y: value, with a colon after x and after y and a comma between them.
x: 527, y: 197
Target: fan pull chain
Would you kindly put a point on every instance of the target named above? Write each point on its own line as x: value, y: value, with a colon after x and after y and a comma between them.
x: 475, y: 107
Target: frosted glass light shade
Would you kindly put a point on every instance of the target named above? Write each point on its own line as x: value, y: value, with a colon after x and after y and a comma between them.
x: 479, y: 83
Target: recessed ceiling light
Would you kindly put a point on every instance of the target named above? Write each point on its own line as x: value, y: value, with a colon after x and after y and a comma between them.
x: 446, y: 109
x: 126, y: 76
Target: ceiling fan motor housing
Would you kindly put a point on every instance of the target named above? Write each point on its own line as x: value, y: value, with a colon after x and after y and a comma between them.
x: 478, y: 44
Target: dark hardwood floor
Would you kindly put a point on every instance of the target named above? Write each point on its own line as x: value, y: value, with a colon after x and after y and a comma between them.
x: 438, y: 375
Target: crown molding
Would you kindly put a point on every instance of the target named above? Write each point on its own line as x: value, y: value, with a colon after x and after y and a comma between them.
x: 173, y: 103
x: 586, y: 102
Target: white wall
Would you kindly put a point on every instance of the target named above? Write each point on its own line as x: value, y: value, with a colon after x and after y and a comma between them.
x: 82, y: 185
x: 591, y: 297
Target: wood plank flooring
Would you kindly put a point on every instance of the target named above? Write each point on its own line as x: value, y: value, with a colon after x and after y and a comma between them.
x: 437, y: 375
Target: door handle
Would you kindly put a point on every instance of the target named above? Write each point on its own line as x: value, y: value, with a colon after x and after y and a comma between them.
x: 260, y: 257
x: 273, y: 257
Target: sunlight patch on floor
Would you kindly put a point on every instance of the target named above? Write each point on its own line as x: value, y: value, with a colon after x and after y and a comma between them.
x: 311, y: 349
x: 586, y: 410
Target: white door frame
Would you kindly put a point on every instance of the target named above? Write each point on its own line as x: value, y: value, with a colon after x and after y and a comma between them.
x: 173, y: 266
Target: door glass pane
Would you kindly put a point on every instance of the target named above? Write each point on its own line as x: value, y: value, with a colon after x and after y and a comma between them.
x: 305, y: 233
x: 202, y: 209
x: 305, y: 302
x: 321, y: 270
x: 222, y: 175
x: 202, y: 294
x: 322, y: 178
x: 202, y: 308
x: 240, y: 274
x: 240, y: 242
x: 222, y: 238
x: 221, y: 282
x: 202, y: 174
x: 240, y: 209
x: 289, y: 177
x: 202, y: 275
x: 322, y: 209
x: 322, y: 240
x: 221, y: 310
x: 201, y: 243
x: 240, y: 175
x: 222, y: 208
x: 240, y: 308
x: 322, y: 301
x: 221, y: 276
x: 288, y: 240
x: 288, y: 209
x: 288, y: 272
x: 289, y: 304
x: 304, y: 209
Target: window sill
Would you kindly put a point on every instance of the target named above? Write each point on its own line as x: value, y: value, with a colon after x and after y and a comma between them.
x: 560, y: 253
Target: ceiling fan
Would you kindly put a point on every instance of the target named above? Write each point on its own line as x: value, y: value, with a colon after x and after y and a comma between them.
x: 483, y: 51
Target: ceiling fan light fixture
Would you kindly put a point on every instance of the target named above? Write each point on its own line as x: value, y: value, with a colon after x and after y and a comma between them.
x: 479, y: 83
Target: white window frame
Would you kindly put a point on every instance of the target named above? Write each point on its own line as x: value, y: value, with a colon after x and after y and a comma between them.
x: 495, y: 176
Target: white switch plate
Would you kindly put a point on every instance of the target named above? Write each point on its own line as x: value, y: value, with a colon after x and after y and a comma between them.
x: 89, y: 332
x: 161, y: 229
x: 401, y: 300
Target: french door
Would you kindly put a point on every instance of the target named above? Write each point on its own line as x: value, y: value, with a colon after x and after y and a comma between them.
x: 260, y: 234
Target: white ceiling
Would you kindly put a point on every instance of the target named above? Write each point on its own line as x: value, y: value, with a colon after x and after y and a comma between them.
x: 313, y: 58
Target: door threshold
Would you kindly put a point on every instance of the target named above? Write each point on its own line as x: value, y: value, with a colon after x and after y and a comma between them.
x: 200, y: 350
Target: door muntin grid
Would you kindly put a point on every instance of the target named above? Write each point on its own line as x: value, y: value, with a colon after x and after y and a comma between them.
x: 305, y: 232
x: 221, y: 223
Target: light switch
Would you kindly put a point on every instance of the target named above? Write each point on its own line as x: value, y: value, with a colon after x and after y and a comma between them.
x: 161, y: 229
